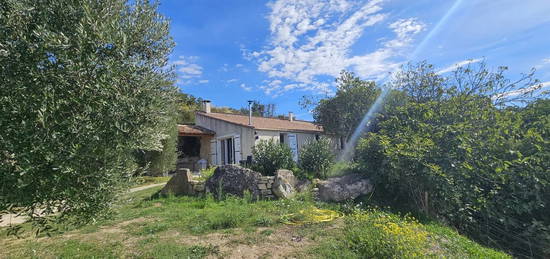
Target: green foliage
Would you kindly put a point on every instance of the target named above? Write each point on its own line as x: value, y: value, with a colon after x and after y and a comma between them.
x: 451, y: 153
x: 207, y: 173
x: 377, y: 234
x: 160, y: 162
x: 187, y: 106
x: 84, y: 84
x: 260, y: 109
x: 317, y: 157
x: 373, y: 233
x: 269, y: 156
x: 340, y: 114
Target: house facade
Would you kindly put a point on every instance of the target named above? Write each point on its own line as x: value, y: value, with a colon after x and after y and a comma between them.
x: 221, y: 138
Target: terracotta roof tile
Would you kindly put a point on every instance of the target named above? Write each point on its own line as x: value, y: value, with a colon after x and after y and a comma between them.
x: 186, y: 130
x: 265, y: 123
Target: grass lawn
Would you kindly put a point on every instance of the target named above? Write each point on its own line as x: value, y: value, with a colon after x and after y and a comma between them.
x: 188, y: 227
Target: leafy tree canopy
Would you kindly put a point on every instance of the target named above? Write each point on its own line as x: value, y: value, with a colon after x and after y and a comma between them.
x: 84, y: 85
x: 466, y: 149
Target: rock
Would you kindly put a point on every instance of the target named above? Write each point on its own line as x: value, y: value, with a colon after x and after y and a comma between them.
x: 198, y: 187
x: 303, y: 185
x: 347, y: 187
x: 179, y: 184
x: 284, y: 184
x: 286, y: 175
x: 235, y: 180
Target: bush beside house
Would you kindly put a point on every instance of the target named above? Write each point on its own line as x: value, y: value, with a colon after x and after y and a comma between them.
x: 317, y: 158
x: 269, y: 156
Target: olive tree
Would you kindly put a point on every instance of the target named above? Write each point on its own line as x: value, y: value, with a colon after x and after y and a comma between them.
x: 83, y: 85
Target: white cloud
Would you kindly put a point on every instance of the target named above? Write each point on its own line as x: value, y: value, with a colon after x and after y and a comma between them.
x: 204, y: 81
x: 534, y: 88
x: 239, y: 65
x: 459, y: 64
x: 224, y: 68
x: 543, y: 63
x: 246, y: 88
x: 233, y: 80
x: 313, y: 38
x: 187, y: 67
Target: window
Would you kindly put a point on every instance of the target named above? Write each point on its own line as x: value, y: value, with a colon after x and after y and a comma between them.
x: 282, y: 138
x: 227, y: 151
x: 317, y: 137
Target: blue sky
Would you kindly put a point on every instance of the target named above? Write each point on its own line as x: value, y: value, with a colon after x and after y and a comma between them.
x: 278, y: 51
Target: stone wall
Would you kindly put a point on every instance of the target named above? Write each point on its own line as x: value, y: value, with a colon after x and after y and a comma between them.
x: 265, y: 183
x: 264, y: 186
x: 238, y: 180
x: 198, y: 187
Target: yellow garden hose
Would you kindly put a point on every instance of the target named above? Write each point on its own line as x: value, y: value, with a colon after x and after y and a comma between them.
x: 312, y: 215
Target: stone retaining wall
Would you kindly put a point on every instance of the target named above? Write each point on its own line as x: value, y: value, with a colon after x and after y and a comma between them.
x: 284, y: 185
x: 264, y: 186
x: 198, y: 186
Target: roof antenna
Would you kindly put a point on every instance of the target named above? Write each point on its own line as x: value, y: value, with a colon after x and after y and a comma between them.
x: 250, y: 112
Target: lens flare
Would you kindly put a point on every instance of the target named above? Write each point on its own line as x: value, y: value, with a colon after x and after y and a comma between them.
x: 364, y: 125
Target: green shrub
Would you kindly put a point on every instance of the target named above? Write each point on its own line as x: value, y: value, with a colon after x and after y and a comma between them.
x: 457, y: 149
x: 376, y: 234
x: 269, y: 156
x: 317, y: 157
x: 161, y: 162
x: 482, y: 169
x: 207, y: 173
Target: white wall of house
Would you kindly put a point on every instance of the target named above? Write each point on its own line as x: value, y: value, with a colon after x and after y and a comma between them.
x: 302, y: 138
x: 226, y: 130
x: 248, y: 137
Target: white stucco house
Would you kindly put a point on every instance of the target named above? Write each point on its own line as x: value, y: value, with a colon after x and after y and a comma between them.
x: 222, y: 138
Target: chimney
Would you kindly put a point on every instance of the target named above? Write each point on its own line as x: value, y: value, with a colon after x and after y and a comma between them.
x: 250, y: 112
x: 206, y: 106
x: 290, y: 116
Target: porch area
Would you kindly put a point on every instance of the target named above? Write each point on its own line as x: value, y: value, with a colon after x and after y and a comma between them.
x: 193, y: 147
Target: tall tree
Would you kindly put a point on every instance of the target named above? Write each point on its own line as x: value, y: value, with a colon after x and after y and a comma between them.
x: 341, y: 113
x: 83, y: 85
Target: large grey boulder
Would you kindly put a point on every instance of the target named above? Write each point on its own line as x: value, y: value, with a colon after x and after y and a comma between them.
x: 342, y: 188
x: 284, y: 185
x: 179, y: 184
x: 235, y: 180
